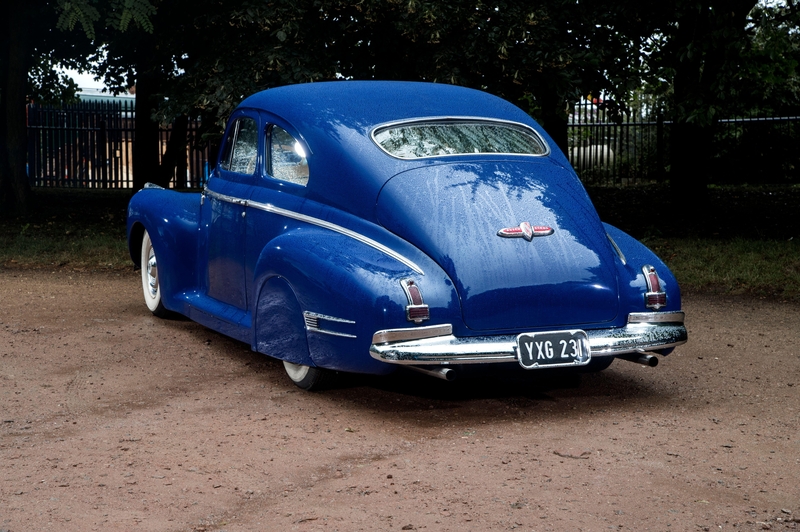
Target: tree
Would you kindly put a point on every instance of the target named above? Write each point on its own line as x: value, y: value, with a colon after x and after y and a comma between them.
x: 40, y: 35
x: 713, y: 57
x: 542, y: 57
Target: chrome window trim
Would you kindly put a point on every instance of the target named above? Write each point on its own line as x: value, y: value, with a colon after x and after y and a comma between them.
x: 445, y: 119
x: 319, y: 223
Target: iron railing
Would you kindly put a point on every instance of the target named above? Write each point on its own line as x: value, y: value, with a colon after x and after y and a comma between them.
x: 90, y: 145
x: 616, y: 150
x: 634, y: 147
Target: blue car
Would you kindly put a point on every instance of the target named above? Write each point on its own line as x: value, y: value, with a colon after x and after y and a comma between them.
x: 361, y: 226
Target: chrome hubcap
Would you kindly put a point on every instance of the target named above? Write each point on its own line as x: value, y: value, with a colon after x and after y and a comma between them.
x: 296, y: 372
x: 152, y: 273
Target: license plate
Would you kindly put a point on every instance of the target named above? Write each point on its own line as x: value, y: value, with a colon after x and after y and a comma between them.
x: 553, y: 349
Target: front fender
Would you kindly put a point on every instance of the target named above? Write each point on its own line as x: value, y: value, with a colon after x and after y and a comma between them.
x: 348, y: 291
x: 171, y: 219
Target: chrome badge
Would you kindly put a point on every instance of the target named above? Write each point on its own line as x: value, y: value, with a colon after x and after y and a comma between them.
x: 526, y: 231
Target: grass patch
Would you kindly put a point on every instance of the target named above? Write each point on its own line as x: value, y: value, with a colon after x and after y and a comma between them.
x: 768, y: 268
x: 85, y: 229
x: 34, y: 246
x: 82, y: 229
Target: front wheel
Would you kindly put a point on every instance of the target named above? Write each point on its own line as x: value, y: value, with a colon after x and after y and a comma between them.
x: 307, y: 377
x: 150, y: 284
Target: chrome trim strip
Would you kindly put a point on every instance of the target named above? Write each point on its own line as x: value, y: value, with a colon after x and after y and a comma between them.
x: 320, y: 223
x: 224, y: 197
x: 656, y: 317
x: 448, y: 349
x: 482, y: 119
x: 412, y: 333
x: 312, y: 324
x: 620, y: 254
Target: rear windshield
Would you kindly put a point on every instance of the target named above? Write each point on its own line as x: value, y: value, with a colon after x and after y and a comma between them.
x: 415, y: 140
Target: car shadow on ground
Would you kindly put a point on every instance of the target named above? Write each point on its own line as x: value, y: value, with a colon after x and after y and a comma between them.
x: 405, y: 390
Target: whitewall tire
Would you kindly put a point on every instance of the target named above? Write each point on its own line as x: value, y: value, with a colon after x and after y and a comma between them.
x: 151, y: 286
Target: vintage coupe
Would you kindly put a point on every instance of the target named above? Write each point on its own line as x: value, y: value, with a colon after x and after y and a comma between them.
x: 361, y: 226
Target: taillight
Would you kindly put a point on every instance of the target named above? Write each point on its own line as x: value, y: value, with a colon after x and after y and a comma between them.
x: 416, y: 310
x: 655, y: 298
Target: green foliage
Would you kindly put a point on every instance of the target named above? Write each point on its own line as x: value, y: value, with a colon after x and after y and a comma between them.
x: 78, y: 11
x: 123, y: 12
x: 724, y: 58
x: 118, y: 15
x: 48, y: 86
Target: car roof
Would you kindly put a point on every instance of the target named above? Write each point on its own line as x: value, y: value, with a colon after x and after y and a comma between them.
x: 335, y: 119
x: 362, y: 105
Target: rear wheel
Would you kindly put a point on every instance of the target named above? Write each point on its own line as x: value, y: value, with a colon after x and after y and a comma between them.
x: 150, y: 284
x: 307, y: 377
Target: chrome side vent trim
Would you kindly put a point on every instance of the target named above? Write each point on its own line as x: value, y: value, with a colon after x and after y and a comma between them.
x: 312, y: 320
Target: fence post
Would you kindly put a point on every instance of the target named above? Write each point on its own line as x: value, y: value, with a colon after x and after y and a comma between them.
x: 102, y: 153
x: 660, y: 146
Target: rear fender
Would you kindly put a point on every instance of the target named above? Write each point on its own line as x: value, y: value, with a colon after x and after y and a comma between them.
x: 349, y: 290
x: 171, y: 219
x: 632, y: 282
x: 279, y: 329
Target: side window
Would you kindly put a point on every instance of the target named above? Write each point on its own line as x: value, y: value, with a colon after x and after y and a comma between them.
x: 241, y: 147
x: 287, y: 159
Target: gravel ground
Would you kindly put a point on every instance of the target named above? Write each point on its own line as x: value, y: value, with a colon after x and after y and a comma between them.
x: 111, y: 419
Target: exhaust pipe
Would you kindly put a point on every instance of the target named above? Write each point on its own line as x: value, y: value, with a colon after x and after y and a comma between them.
x: 641, y: 358
x: 447, y: 374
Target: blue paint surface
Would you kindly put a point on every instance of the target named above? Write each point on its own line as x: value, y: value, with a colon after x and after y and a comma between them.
x: 253, y: 253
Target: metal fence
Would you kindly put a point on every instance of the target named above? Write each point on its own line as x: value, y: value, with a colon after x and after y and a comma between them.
x: 757, y: 150
x: 635, y: 147
x: 627, y: 149
x: 90, y: 145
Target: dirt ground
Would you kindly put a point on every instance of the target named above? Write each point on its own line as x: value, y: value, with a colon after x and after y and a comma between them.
x: 112, y: 419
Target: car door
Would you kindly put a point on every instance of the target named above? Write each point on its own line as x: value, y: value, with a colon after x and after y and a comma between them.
x: 281, y: 186
x: 225, y: 210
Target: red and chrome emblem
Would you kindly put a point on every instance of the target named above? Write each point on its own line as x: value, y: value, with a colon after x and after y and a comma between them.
x: 526, y: 231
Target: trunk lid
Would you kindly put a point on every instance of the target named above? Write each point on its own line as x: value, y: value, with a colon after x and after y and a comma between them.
x: 453, y: 213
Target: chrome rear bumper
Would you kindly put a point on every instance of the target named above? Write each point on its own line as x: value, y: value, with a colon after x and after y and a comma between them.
x: 435, y: 344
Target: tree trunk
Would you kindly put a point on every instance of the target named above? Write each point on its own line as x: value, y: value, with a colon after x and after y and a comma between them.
x: 709, y: 34
x: 175, y: 154
x: 146, y: 148
x: 15, y: 192
x: 554, y: 116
